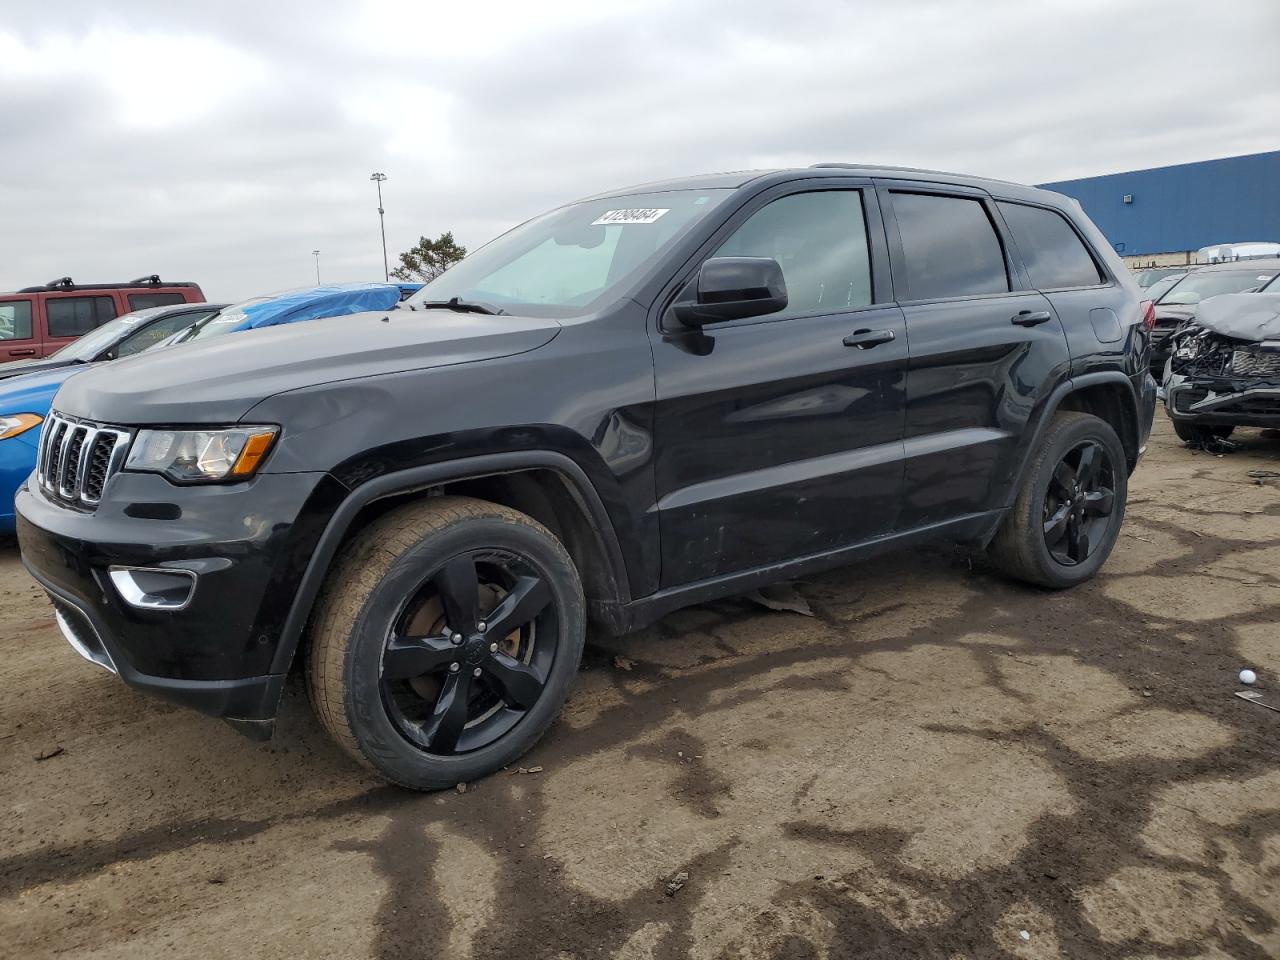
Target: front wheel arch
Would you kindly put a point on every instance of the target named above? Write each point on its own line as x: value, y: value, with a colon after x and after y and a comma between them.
x: 611, y: 581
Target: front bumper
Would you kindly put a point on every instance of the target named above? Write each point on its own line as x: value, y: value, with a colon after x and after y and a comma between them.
x: 1208, y: 403
x: 251, y: 700
x: 246, y: 546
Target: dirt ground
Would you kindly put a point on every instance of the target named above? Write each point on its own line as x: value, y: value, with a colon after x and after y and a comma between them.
x: 939, y: 763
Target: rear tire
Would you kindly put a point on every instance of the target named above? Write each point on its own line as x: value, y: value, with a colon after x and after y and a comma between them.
x: 1069, y: 509
x: 445, y: 641
x: 1195, y: 433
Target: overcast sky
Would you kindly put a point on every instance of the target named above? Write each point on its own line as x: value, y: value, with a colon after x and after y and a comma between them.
x: 223, y: 142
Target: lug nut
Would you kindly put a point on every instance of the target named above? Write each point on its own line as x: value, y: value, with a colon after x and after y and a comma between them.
x: 453, y: 668
x: 456, y: 639
x: 482, y: 626
x: 493, y: 648
x: 475, y: 672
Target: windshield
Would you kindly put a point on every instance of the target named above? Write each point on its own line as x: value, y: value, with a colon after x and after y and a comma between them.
x: 574, y: 259
x: 1147, y: 278
x: 98, y: 339
x: 218, y: 324
x: 1161, y: 286
x: 1195, y: 287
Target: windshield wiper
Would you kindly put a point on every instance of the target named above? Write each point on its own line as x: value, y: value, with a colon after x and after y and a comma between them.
x: 458, y: 305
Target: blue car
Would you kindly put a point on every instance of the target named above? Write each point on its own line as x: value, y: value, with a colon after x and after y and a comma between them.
x: 122, y: 337
x: 25, y: 400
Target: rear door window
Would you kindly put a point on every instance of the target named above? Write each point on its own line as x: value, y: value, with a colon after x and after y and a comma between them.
x: 141, y: 301
x: 76, y: 316
x: 1052, y: 251
x: 950, y: 246
x: 15, y: 320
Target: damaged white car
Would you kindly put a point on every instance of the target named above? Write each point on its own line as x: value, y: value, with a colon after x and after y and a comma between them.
x: 1223, y: 370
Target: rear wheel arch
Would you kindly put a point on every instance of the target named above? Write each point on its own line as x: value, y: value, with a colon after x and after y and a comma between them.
x: 1110, y: 399
x: 1108, y: 395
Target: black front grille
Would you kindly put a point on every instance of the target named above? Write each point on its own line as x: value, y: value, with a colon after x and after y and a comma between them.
x: 1183, y: 399
x: 51, y: 440
x: 99, y: 467
x: 77, y: 458
x: 1255, y: 363
x: 1262, y: 406
x: 69, y: 469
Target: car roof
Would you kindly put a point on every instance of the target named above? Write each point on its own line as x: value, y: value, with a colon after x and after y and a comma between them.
x: 1257, y: 263
x: 740, y: 178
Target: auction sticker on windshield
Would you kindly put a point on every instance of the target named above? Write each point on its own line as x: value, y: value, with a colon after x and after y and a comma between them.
x: 635, y: 215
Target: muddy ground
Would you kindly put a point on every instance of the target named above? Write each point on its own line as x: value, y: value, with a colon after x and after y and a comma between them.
x: 938, y: 764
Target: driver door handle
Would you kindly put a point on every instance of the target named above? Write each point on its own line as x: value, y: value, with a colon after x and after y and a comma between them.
x: 1029, y: 318
x: 866, y: 339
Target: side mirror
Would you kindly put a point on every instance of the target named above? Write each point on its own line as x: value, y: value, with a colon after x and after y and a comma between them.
x: 732, y: 288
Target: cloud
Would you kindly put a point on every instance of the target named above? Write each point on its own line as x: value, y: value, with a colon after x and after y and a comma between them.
x: 224, y: 142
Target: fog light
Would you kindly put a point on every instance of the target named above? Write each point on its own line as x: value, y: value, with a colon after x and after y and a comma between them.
x: 154, y: 588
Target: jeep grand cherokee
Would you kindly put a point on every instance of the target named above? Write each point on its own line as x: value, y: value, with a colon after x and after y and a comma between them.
x: 640, y: 401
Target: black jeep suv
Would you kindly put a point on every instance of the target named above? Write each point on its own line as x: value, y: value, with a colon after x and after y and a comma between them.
x: 633, y: 403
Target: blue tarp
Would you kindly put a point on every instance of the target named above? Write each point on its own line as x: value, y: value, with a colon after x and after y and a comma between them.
x: 310, y: 304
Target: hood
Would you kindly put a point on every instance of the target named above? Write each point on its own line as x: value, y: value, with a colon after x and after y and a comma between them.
x: 23, y: 367
x: 32, y: 392
x: 1175, y: 311
x: 1242, y: 316
x: 220, y: 380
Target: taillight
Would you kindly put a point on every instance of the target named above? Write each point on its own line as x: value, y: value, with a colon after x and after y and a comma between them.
x: 1148, y: 315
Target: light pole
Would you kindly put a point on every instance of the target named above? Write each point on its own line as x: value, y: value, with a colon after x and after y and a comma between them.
x: 382, y: 221
x: 316, y: 254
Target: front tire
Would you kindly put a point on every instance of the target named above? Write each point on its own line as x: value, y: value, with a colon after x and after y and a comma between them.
x: 445, y: 641
x: 1067, y: 515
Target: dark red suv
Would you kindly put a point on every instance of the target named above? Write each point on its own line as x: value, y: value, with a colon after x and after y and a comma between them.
x: 36, y: 321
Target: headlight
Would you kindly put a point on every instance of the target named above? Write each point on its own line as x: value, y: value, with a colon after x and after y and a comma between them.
x: 16, y: 423
x: 194, y: 456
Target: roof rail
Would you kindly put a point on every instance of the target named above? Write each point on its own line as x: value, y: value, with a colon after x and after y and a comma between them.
x: 62, y: 283
x: 66, y: 283
x: 868, y: 166
x: 885, y: 167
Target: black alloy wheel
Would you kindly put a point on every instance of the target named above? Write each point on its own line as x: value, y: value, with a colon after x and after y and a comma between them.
x: 1079, y: 502
x: 462, y: 664
x: 1071, y: 500
x: 445, y: 641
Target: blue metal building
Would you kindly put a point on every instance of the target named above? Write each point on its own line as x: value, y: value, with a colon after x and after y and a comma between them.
x: 1184, y: 207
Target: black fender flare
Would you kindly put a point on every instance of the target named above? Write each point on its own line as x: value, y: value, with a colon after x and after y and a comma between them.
x: 422, y: 478
x: 1050, y: 406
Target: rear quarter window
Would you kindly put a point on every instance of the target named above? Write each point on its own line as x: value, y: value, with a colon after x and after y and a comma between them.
x: 1054, y: 254
x: 142, y: 301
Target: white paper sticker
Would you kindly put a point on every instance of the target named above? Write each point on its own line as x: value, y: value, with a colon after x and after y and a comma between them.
x: 634, y: 215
